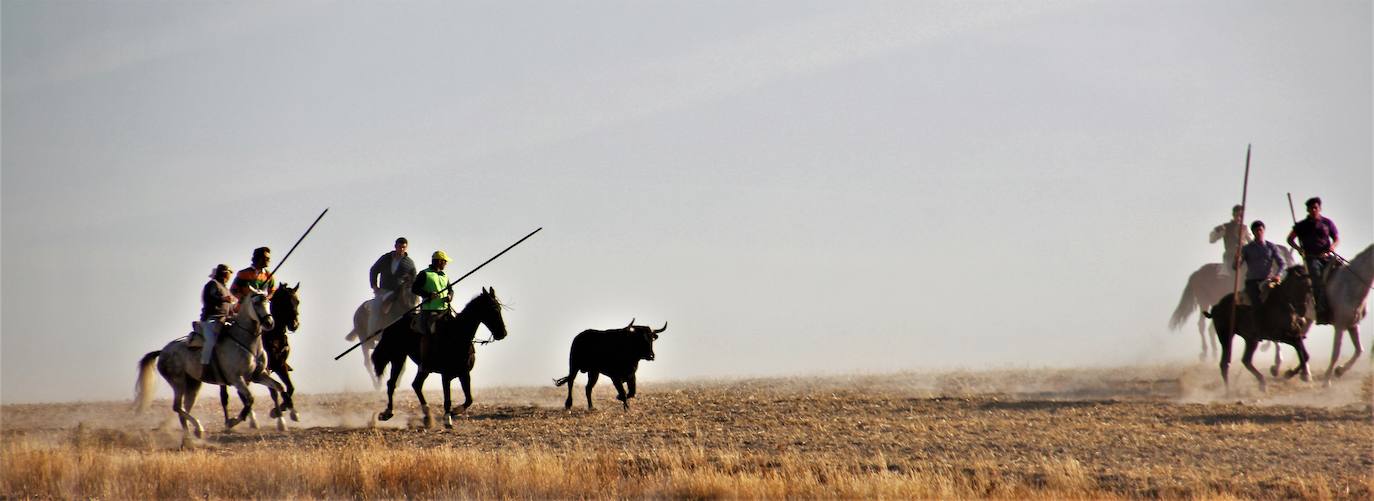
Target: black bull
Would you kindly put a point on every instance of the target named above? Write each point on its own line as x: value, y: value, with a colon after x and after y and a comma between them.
x: 615, y: 353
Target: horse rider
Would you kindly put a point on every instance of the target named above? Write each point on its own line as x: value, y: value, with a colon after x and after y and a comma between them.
x: 1263, y: 262
x: 1233, y: 236
x: 431, y: 285
x: 255, y: 277
x: 1319, y: 238
x: 390, y: 276
x: 215, y: 301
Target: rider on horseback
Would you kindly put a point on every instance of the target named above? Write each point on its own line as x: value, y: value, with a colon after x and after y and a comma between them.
x: 255, y: 277
x: 215, y: 302
x: 431, y: 286
x: 390, y: 276
x: 1233, y: 236
x: 1319, y: 239
x: 1263, y: 262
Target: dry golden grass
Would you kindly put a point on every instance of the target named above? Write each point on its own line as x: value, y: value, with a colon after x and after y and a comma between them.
x: 1139, y: 433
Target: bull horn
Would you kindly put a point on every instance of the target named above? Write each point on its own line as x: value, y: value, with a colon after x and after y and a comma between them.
x: 632, y: 323
x: 665, y: 327
x: 298, y: 286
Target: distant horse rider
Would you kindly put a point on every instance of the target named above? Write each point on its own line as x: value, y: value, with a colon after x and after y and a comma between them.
x: 431, y: 285
x: 255, y: 277
x: 1263, y: 261
x: 215, y: 301
x: 1232, y: 235
x: 1319, y: 239
x: 390, y: 277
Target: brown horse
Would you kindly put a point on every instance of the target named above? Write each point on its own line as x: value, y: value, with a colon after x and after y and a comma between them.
x: 285, y: 307
x: 453, y: 353
x: 1283, y: 318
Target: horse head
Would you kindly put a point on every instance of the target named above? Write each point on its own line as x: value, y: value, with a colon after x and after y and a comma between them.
x: 253, y: 311
x: 486, y: 308
x: 285, y: 305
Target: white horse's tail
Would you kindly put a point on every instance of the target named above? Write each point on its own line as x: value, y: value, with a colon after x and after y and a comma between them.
x: 143, y: 388
x: 1184, y: 308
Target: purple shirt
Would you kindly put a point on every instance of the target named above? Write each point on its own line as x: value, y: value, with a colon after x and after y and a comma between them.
x: 1315, y: 235
x: 1260, y: 258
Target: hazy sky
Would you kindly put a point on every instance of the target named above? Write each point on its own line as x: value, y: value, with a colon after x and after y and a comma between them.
x: 797, y: 187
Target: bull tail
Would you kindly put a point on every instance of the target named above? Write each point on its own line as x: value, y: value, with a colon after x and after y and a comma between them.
x: 561, y: 381
x: 143, y: 387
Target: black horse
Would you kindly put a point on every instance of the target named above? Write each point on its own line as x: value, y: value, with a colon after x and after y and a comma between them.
x: 452, y: 353
x: 1284, y: 318
x: 285, y: 307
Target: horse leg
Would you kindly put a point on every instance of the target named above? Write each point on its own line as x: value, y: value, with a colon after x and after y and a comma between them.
x: 1335, y: 358
x: 246, y: 397
x: 183, y: 399
x: 224, y: 403
x: 1225, y: 359
x: 287, y: 403
x: 465, y: 380
x: 372, y: 371
x: 1278, y: 359
x: 1248, y: 359
x: 419, y: 386
x: 391, y: 388
x: 620, y: 392
x: 592, y: 376
x: 1202, y: 336
x: 446, y: 381
x: 1355, y: 340
x: 1303, y: 357
x: 274, y: 388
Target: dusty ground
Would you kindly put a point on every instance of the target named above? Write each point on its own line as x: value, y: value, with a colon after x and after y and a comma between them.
x: 1137, y: 432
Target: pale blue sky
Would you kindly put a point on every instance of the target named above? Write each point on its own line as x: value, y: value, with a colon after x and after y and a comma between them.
x: 797, y: 187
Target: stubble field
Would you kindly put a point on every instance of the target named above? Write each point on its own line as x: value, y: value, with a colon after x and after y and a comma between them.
x: 1157, y: 432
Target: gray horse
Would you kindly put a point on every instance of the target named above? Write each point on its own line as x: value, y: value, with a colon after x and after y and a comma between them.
x: 392, y: 311
x: 1346, y: 291
x: 240, y: 359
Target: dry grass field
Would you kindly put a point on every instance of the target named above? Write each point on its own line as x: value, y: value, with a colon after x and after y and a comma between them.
x: 1159, y: 432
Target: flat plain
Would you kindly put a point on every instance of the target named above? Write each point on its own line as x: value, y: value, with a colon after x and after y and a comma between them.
x: 1139, y: 432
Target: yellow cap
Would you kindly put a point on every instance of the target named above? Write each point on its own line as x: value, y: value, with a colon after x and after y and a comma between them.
x: 439, y: 256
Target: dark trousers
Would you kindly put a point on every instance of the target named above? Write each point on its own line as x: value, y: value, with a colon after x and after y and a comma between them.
x: 1252, y: 291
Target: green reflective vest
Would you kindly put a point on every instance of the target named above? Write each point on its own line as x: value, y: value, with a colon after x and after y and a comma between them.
x: 431, y: 281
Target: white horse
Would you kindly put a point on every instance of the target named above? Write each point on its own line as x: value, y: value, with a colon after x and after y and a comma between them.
x: 366, y: 325
x: 1346, y: 290
x: 239, y: 357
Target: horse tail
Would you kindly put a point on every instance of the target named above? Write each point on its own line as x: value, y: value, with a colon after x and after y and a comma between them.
x: 1184, y: 308
x: 143, y: 389
x: 561, y: 381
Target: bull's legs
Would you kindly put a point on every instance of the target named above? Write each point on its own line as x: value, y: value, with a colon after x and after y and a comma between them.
x: 419, y: 386
x: 630, y: 383
x: 396, y: 368
x: 591, y: 381
x: 1248, y: 359
x: 620, y: 392
x: 572, y: 378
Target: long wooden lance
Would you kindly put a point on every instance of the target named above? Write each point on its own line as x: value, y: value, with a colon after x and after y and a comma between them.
x: 450, y: 287
x: 273, y: 273
x: 1240, y: 228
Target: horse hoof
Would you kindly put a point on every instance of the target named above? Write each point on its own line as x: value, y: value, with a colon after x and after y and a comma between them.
x: 1274, y: 371
x: 295, y: 417
x: 428, y: 422
x: 384, y: 416
x: 1307, y: 377
x: 230, y: 423
x: 1340, y: 371
x: 253, y: 425
x: 448, y: 422
x: 274, y: 413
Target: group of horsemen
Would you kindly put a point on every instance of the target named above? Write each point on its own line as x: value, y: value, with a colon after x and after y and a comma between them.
x: 393, y: 278
x: 1315, y: 237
